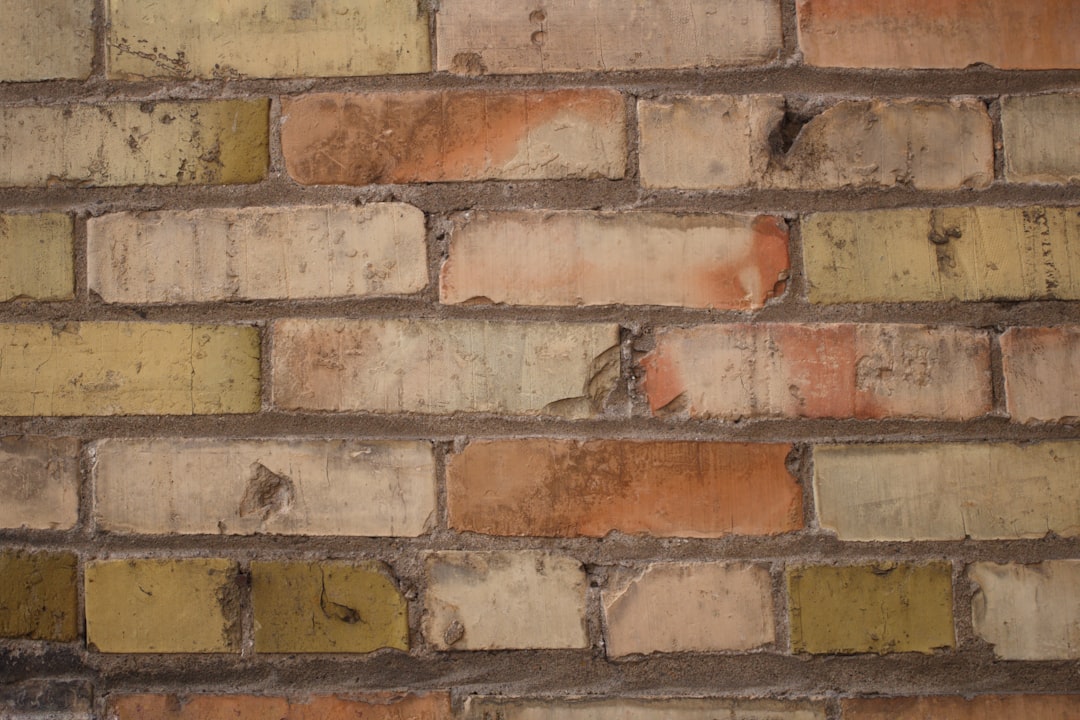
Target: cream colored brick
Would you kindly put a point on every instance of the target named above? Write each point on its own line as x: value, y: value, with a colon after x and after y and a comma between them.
x: 573, y: 35
x: 975, y: 253
x: 948, y: 491
x: 267, y: 38
x: 36, y: 257
x: 162, y: 606
x: 1028, y: 612
x: 46, y: 40
x: 1041, y: 134
x: 39, y: 482
x: 689, y: 607
x: 502, y: 600
x: 441, y: 366
x: 128, y: 368
x: 257, y: 253
x: 165, y: 143
x: 316, y: 487
x: 481, y: 708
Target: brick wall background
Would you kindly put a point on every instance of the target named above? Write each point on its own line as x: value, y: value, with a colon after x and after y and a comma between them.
x: 561, y: 359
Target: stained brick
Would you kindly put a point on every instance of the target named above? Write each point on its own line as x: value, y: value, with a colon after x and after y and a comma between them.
x: 39, y: 482
x: 36, y: 257
x: 46, y: 39
x: 438, y: 136
x: 728, y: 142
x: 881, y: 608
x: 481, y: 708
x: 779, y: 370
x: 267, y: 38
x: 47, y: 698
x: 315, y: 487
x: 566, y: 488
x: 1041, y: 382
x: 367, y: 706
x: 257, y: 253
x: 983, y: 707
x: 1041, y: 134
x: 705, y: 261
x: 151, y: 143
x: 38, y: 595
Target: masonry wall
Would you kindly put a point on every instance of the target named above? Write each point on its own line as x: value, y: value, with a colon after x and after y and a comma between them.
x: 562, y: 359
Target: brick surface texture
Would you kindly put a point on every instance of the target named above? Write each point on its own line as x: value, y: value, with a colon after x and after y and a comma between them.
x: 547, y: 360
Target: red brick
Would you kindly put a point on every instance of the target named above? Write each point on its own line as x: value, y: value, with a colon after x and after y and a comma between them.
x: 1009, y: 34
x: 985, y: 707
x: 375, y: 706
x: 438, y: 136
x: 567, y: 488
x: 1041, y: 379
x: 824, y: 371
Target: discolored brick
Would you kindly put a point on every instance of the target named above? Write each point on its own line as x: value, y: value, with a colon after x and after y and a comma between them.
x: 1041, y: 382
x: 366, y: 706
x: 39, y: 482
x: 37, y: 257
x: 1041, y: 135
x: 38, y: 595
x: 980, y: 707
x: 479, y: 707
x: 46, y: 39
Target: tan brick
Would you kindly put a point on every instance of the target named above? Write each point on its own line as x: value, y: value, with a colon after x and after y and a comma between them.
x: 948, y: 491
x: 727, y: 142
x: 443, y: 366
x: 267, y: 38
x: 983, y: 707
x: 1042, y: 137
x: 439, y: 136
x: 128, y: 368
x: 1041, y: 382
x: 936, y: 34
x: 305, y: 607
x: 39, y: 482
x: 481, y: 708
x: 779, y: 370
x: 37, y: 257
x: 504, y: 600
x: 572, y: 35
x: 975, y: 253
x: 316, y: 487
x: 688, y: 607
x: 881, y: 608
x: 46, y: 40
x: 585, y: 258
x: 1028, y: 612
x: 567, y: 488
x: 38, y: 595
x: 368, y: 706
x: 164, y: 143
x: 257, y: 253
x: 162, y: 606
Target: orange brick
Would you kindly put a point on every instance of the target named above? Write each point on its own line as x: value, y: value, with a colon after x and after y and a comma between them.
x: 1041, y: 382
x: 566, y: 488
x: 437, y: 136
x: 373, y: 706
x: 985, y: 707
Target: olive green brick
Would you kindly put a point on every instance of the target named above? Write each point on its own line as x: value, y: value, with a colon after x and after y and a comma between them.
x: 38, y: 595
x: 36, y: 257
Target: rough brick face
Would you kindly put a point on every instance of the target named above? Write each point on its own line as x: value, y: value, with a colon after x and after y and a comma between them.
x: 369, y: 706
x: 36, y: 257
x: 560, y: 488
x: 1041, y: 134
x: 839, y: 371
x: 488, y: 37
x: 1041, y: 382
x: 38, y: 595
x: 39, y: 482
x: 480, y: 708
x: 453, y: 135
x: 710, y: 261
x: 987, y: 707
x: 267, y: 38
x: 46, y: 39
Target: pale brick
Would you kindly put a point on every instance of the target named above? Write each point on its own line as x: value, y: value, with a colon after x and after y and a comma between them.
x: 351, y: 706
x: 39, y: 482
x: 983, y: 707
x: 128, y: 368
x: 292, y: 487
x: 36, y: 257
x: 46, y: 40
x: 819, y: 371
x: 39, y: 596
x: 968, y: 254
x: 575, y: 35
x: 162, y: 143
x: 1041, y: 134
x: 483, y: 708
x: 257, y: 253
x: 453, y: 135
x: 936, y: 34
x: 1028, y: 612
x: 162, y: 606
x: 443, y: 366
x: 948, y: 491
x: 1041, y: 382
x: 727, y: 142
x: 688, y: 607
x: 582, y: 258
x: 267, y: 38
x: 504, y: 600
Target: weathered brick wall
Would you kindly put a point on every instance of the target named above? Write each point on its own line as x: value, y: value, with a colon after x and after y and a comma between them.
x: 562, y: 359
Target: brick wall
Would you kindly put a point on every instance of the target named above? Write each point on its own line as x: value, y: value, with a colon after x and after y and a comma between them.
x: 576, y: 359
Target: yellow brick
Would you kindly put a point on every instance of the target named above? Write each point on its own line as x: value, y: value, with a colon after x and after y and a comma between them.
x: 36, y: 260
x: 125, y: 368
x: 267, y: 38
x: 46, y: 39
x: 166, y: 143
